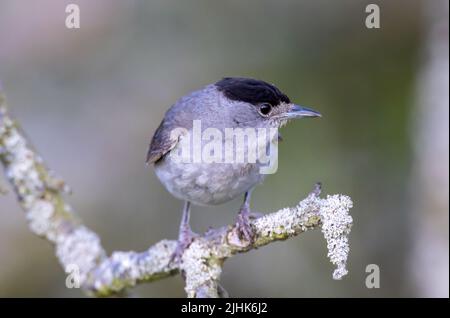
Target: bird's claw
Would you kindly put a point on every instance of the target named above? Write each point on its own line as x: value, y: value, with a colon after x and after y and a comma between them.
x: 244, y: 227
x: 183, y: 243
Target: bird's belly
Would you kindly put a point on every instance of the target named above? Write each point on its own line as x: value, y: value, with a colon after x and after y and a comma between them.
x: 207, y: 183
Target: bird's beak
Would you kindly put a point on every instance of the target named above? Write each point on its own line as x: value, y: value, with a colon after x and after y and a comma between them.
x: 299, y: 112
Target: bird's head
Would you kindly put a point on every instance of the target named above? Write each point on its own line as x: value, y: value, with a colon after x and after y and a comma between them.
x: 255, y: 103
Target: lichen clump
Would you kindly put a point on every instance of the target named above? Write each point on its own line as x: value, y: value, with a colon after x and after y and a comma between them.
x: 336, y: 226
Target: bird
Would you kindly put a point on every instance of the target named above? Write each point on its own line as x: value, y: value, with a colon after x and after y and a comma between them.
x: 230, y: 103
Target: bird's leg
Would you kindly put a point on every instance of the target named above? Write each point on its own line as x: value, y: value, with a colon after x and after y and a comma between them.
x: 185, y: 235
x: 243, y: 219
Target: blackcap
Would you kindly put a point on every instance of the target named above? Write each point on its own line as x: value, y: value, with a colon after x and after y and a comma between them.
x: 209, y: 147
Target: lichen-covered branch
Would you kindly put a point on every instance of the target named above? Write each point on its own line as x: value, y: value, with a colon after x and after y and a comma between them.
x: 40, y: 194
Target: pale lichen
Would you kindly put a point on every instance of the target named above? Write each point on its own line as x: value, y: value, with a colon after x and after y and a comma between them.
x: 331, y: 213
x: 336, y: 226
x: 40, y: 216
x: 288, y: 221
x: 81, y: 248
x: 126, y: 269
x: 201, y: 272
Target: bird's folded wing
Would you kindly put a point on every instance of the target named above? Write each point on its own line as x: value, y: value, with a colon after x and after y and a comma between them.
x: 162, y: 142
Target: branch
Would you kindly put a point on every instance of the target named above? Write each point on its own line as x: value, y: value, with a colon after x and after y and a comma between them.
x: 79, y: 251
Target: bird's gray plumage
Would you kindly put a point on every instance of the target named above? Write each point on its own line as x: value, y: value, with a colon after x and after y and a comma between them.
x: 230, y: 103
x: 203, y: 183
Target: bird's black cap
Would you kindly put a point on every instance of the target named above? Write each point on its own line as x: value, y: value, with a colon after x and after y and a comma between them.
x: 251, y: 91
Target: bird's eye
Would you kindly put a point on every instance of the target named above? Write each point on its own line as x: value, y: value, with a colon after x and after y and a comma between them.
x: 265, y: 109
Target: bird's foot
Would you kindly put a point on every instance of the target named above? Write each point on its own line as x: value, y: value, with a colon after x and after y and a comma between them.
x: 243, y: 225
x: 185, y: 239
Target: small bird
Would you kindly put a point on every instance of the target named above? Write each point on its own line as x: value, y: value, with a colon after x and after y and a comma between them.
x: 232, y: 102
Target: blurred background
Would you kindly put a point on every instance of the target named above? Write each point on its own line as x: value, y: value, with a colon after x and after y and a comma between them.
x: 91, y: 98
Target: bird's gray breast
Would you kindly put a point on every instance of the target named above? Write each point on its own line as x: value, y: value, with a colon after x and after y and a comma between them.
x: 206, y: 183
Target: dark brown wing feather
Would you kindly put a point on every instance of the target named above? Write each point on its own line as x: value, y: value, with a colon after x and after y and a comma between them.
x: 161, y: 143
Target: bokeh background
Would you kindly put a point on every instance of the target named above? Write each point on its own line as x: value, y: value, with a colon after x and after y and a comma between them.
x: 91, y: 98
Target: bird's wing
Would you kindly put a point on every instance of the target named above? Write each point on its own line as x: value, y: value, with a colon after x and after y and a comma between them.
x: 162, y: 142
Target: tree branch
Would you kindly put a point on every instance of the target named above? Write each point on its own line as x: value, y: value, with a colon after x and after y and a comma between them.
x: 79, y: 251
